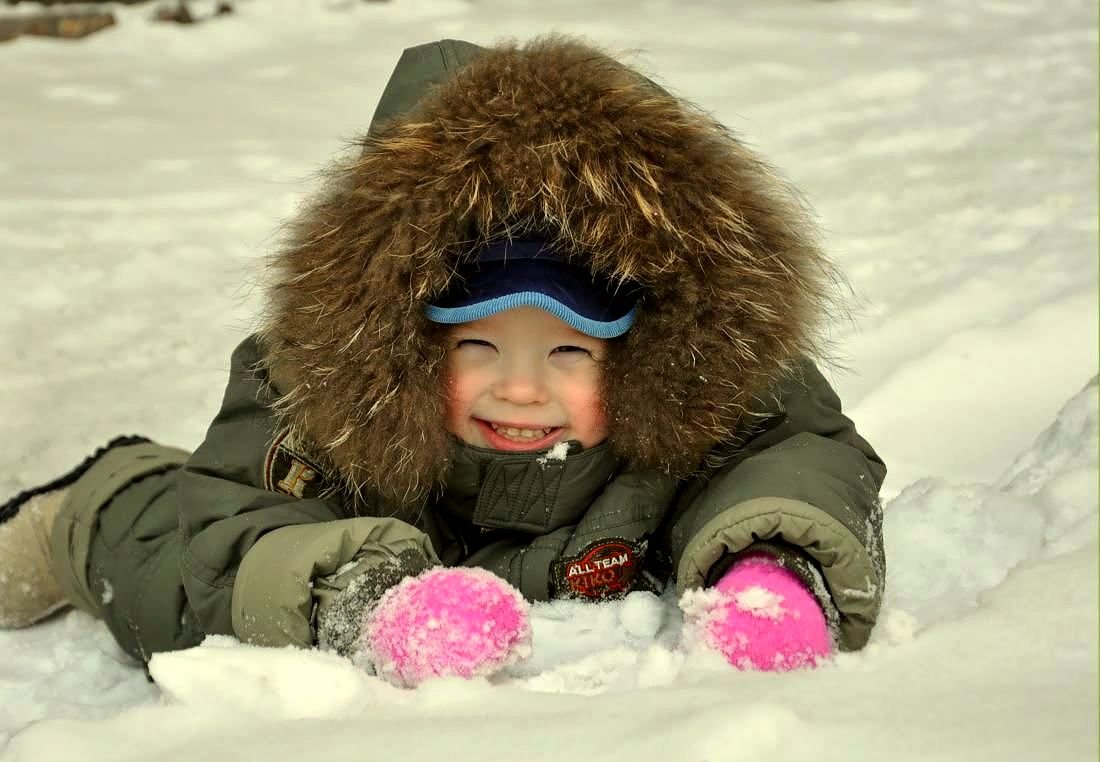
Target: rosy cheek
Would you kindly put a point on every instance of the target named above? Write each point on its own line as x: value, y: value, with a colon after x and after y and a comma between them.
x: 590, y: 415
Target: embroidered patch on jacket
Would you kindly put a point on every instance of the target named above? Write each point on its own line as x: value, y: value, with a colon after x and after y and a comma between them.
x: 603, y: 569
x: 287, y: 469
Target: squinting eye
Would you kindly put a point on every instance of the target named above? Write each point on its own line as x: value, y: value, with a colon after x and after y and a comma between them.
x: 474, y: 343
x: 567, y: 348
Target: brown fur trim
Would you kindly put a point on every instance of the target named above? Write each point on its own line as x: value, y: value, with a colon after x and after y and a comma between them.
x: 630, y: 179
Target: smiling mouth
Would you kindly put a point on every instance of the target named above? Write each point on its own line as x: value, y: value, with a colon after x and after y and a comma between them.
x: 507, y: 436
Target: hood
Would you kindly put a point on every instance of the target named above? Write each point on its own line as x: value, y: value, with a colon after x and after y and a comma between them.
x: 473, y: 143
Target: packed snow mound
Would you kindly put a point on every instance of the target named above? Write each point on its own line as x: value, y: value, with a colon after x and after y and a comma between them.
x: 946, y: 543
x: 224, y: 675
x: 1059, y: 474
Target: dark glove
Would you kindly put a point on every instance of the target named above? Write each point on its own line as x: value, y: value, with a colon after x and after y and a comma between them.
x: 340, y: 620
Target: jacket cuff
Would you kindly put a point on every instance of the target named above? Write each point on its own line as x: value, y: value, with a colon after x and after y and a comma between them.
x: 849, y: 574
x: 290, y: 571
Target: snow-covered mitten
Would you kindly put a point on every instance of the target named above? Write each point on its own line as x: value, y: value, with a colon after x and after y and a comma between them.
x: 761, y: 616
x: 460, y: 622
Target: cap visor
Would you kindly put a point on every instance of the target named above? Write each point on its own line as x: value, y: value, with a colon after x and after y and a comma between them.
x: 597, y: 329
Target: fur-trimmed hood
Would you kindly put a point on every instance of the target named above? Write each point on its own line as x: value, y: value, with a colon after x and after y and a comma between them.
x: 473, y: 143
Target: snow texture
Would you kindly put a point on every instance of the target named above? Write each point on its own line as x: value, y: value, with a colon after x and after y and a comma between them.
x: 760, y: 602
x: 950, y: 149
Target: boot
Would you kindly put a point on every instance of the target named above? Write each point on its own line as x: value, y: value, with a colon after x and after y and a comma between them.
x: 28, y: 590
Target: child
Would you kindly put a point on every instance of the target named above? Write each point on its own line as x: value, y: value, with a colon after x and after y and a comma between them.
x: 552, y: 323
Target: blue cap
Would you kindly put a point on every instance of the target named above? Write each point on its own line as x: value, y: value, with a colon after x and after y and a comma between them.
x: 529, y: 272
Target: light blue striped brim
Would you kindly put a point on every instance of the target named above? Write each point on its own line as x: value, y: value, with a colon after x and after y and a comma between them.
x: 597, y: 329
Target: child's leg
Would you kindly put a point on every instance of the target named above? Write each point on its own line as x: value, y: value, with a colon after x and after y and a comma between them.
x: 131, y: 570
x: 29, y: 590
x: 58, y: 542
x: 82, y: 518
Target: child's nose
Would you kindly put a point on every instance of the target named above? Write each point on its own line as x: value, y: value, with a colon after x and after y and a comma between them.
x: 521, y: 388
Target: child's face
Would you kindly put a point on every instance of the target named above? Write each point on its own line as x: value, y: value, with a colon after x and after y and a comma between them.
x: 523, y: 380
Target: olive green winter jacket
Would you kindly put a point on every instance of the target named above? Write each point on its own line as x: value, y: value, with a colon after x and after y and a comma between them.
x: 264, y: 532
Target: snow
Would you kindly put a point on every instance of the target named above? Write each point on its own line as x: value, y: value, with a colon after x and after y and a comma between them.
x: 557, y: 453
x: 950, y: 150
x: 641, y: 615
x: 760, y: 602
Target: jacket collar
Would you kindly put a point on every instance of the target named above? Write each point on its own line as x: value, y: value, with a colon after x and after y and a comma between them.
x: 535, y: 492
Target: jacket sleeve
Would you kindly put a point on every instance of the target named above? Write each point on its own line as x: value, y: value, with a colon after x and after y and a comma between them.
x: 806, y: 482
x: 258, y: 526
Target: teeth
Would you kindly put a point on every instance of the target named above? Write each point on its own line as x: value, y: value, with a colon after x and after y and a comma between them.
x: 521, y: 434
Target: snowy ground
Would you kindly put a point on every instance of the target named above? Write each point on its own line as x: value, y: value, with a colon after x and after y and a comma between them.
x: 950, y: 149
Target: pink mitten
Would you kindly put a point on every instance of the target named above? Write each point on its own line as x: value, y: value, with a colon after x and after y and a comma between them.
x: 447, y: 622
x: 764, y: 618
